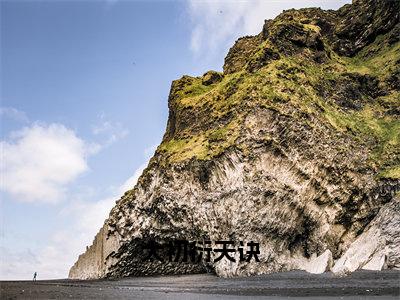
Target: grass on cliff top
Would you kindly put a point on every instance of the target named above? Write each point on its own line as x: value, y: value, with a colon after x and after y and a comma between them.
x: 286, y: 86
x: 220, y: 96
x: 202, y: 146
x: 291, y: 83
x: 376, y: 59
x: 364, y: 124
x: 390, y: 173
x: 370, y: 123
x: 194, y: 89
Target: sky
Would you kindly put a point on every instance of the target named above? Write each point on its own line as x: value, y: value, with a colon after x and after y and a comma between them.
x: 84, y: 104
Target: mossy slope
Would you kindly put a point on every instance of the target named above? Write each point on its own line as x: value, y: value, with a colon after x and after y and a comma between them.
x: 293, y: 69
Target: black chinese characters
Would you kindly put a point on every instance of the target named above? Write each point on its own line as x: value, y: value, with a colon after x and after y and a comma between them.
x: 195, y: 251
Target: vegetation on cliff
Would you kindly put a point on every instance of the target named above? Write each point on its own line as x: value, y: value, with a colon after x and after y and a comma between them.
x: 294, y: 145
x: 292, y: 68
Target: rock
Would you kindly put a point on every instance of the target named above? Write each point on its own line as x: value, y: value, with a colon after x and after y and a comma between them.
x: 376, y: 263
x: 90, y: 264
x: 239, y: 54
x: 296, y: 149
x: 377, y: 245
x: 320, y: 264
x: 362, y: 22
x: 351, y: 90
x: 212, y: 77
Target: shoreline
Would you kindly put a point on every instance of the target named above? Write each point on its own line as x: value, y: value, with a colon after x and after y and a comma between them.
x: 293, y: 284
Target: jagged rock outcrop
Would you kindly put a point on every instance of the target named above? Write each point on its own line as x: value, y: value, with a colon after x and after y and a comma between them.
x: 294, y: 146
x: 378, y: 246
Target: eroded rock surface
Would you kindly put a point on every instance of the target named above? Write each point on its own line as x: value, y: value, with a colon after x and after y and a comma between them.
x: 378, y: 246
x: 295, y: 146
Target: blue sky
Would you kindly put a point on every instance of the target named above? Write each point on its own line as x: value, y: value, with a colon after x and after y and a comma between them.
x: 84, y: 87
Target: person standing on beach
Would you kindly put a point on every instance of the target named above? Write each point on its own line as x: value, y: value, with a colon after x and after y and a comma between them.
x: 34, y: 276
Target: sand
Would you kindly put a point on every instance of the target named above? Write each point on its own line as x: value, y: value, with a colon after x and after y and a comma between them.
x: 287, y: 285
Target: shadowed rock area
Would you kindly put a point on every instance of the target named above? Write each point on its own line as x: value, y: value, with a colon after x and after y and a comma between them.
x: 294, y: 146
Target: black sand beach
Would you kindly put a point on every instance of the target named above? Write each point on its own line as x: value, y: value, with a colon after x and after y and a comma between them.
x: 293, y: 285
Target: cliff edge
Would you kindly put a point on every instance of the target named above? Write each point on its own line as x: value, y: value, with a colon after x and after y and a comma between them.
x: 295, y: 146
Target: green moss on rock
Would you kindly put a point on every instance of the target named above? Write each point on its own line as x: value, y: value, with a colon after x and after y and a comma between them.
x: 349, y: 95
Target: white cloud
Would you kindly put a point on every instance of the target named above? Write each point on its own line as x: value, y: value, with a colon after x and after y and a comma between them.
x: 217, y: 23
x: 18, y: 263
x: 111, y: 131
x: 54, y: 260
x: 89, y: 216
x: 84, y: 218
x: 131, y: 181
x: 56, y: 257
x: 37, y: 162
x: 149, y: 151
x: 14, y: 114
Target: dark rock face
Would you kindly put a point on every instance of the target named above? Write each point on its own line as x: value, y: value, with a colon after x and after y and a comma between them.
x: 352, y: 90
x: 378, y: 246
x: 211, y: 77
x: 238, y: 55
x: 362, y: 22
x: 295, y: 146
x: 348, y: 30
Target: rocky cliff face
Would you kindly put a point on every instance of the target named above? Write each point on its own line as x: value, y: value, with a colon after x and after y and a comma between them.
x: 294, y: 146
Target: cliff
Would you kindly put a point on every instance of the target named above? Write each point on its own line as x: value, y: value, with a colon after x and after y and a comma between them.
x: 294, y: 146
